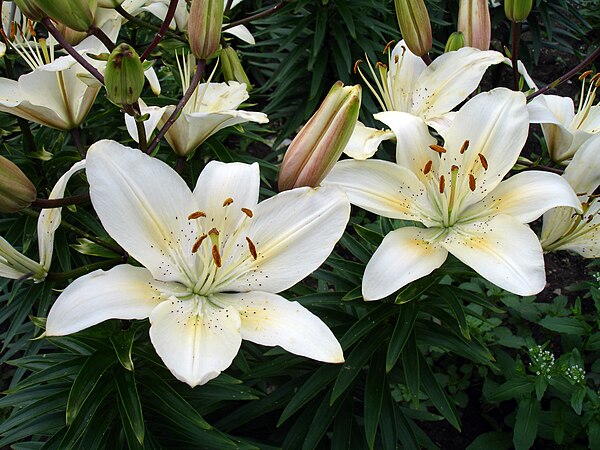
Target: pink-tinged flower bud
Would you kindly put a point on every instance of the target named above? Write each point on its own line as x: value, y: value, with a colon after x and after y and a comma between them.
x: 73, y: 37
x: 204, y: 27
x: 232, y: 67
x: 109, y: 3
x: 415, y: 26
x: 319, y: 144
x: 517, y: 10
x: 30, y: 9
x: 456, y: 41
x: 75, y: 14
x: 16, y: 191
x: 474, y: 22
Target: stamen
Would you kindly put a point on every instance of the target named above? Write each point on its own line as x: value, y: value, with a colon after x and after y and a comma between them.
x: 228, y: 201
x: 595, y: 77
x: 198, y: 242
x: 380, y: 65
x: 356, y: 64
x: 387, y: 47
x: 453, y: 168
x: 427, y: 167
x: 442, y: 184
x: 248, y: 212
x: 396, y: 59
x: 464, y: 147
x: 216, y: 256
x: 196, y: 215
x: 251, y: 247
x: 471, y: 182
x: 484, y: 162
x: 437, y: 148
x: 585, y: 74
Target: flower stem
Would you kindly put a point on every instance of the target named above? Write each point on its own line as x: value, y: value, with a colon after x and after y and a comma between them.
x: 260, y: 15
x: 533, y: 165
x: 147, y: 25
x: 60, y: 202
x: 162, y: 31
x: 76, y: 135
x: 179, y: 164
x: 427, y: 59
x: 514, y: 56
x: 83, y: 270
x: 588, y: 60
x: 186, y: 96
x: 101, y: 35
x: 70, y: 50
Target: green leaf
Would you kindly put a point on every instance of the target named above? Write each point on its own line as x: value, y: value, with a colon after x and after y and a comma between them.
x: 357, y: 359
x: 457, y: 310
x: 375, y: 387
x: 367, y: 323
x: 593, y: 431
x: 342, y: 426
x: 413, y: 291
x: 496, y: 440
x: 567, y: 325
x: 540, y: 387
x: 402, y: 330
x: 122, y: 342
x: 323, y: 417
x: 345, y: 11
x: 372, y: 237
x: 130, y: 406
x: 515, y: 388
x: 87, y: 380
x: 411, y: 369
x: 526, y: 424
x: 577, y: 399
x: 437, y: 395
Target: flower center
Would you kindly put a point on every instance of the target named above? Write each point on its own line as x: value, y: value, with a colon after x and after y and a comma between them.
x: 586, y: 100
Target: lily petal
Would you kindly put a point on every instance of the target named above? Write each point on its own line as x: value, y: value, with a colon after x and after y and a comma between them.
x: 143, y: 204
x: 195, y: 339
x: 383, y: 188
x: 405, y: 255
x: 269, y: 319
x: 293, y: 233
x: 525, y: 196
x: 405, y: 70
x: 365, y: 141
x: 242, y: 33
x: 503, y: 250
x: 50, y: 218
x: 450, y: 79
x: 155, y: 114
x: 583, y: 172
x: 124, y: 292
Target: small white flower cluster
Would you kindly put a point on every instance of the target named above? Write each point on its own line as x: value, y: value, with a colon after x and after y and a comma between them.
x: 542, y: 361
x: 596, y: 276
x: 575, y: 373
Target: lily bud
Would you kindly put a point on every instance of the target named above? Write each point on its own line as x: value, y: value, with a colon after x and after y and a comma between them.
x: 414, y: 25
x: 30, y: 9
x: 75, y: 14
x: 16, y: 191
x: 517, y: 10
x: 475, y: 23
x: 319, y: 144
x: 204, y: 27
x: 73, y: 37
x: 232, y: 67
x: 455, y: 42
x: 124, y: 76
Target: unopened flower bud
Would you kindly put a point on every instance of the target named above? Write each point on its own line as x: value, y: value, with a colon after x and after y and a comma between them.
x: 72, y: 37
x: 474, y: 22
x: 30, y: 9
x: 124, y: 76
x: 204, y: 27
x: 455, y: 42
x: 232, y: 67
x: 75, y: 14
x: 517, y: 10
x: 109, y: 3
x: 414, y: 25
x: 319, y: 144
x: 16, y: 191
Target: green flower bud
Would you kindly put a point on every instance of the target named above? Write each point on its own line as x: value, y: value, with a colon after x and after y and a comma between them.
x: 232, y: 67
x: 204, y: 27
x: 414, y: 25
x: 124, y: 75
x: 517, y: 10
x: 456, y: 41
x: 319, y: 144
x: 16, y: 191
x: 475, y: 23
x: 75, y: 14
x: 73, y: 37
x: 30, y: 9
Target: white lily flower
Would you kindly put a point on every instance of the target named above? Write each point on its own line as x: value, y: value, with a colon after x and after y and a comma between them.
x: 457, y: 193
x: 568, y: 229
x: 211, y: 108
x: 430, y: 93
x: 564, y: 129
x: 53, y: 94
x: 15, y: 265
x: 214, y: 260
